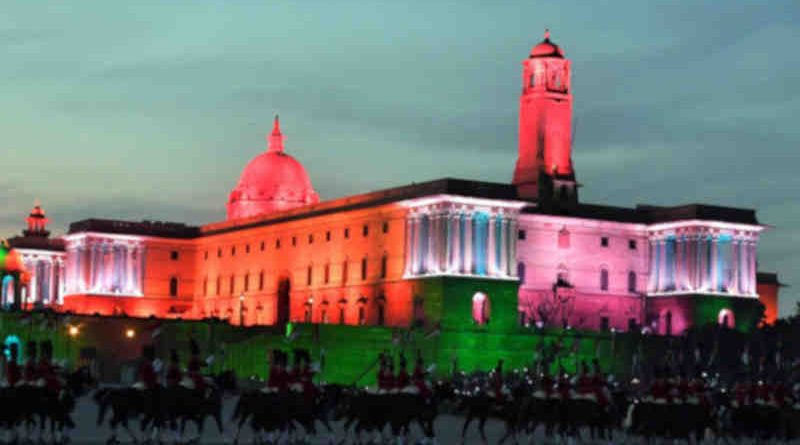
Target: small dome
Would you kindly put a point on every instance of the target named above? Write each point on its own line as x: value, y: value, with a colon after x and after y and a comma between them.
x: 547, y: 48
x: 10, y: 260
x: 271, y: 182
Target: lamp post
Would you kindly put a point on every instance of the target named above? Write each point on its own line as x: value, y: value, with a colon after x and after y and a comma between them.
x: 241, y: 309
x: 73, y: 332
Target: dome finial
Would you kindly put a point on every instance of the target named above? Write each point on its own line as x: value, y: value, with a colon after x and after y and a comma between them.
x: 276, y: 138
x: 547, y: 33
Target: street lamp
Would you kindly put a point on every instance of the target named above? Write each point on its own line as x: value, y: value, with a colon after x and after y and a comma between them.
x: 73, y: 331
x: 241, y: 309
x: 130, y: 333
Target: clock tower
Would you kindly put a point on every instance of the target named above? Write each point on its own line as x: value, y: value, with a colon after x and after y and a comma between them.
x: 543, y: 172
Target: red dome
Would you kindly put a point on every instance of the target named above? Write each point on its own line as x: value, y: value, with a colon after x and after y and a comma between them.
x: 271, y: 182
x: 547, y: 48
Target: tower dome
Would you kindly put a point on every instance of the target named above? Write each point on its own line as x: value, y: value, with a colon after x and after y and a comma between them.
x: 547, y: 48
x: 271, y: 182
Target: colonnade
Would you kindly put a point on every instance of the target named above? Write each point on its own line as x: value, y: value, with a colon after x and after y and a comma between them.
x: 704, y: 262
x: 460, y: 241
x: 106, y: 266
x: 47, y: 278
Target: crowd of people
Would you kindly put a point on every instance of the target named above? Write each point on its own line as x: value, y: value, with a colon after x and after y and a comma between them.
x: 39, y: 369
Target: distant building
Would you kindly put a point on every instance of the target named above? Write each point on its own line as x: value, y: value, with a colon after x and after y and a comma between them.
x: 450, y: 252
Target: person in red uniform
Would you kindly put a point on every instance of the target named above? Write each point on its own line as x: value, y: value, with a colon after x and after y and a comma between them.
x: 682, y: 389
x: 13, y: 370
x: 660, y: 390
x: 403, y: 379
x: 47, y: 370
x: 418, y: 378
x: 193, y: 370
x: 741, y: 393
x: 147, y: 373
x: 598, y: 383
x: 385, y: 374
x: 305, y: 376
x: 29, y: 372
x: 779, y: 393
x: 698, y: 389
x: 174, y: 374
x: 497, y: 381
x: 584, y: 383
x: 564, y: 385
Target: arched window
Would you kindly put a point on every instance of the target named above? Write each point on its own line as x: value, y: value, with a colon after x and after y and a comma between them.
x: 668, y: 323
x: 364, y: 268
x: 604, y: 279
x: 480, y: 308
x: 173, y: 287
x: 247, y: 282
x: 308, y: 275
x: 362, y: 311
x: 726, y: 319
x: 562, y: 277
x: 342, y: 305
x: 632, y: 282
x: 381, y: 310
x: 323, y: 315
x: 307, y: 310
x: 563, y: 238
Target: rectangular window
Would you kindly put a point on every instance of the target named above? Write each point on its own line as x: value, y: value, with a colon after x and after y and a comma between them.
x: 232, y: 281
x: 308, y: 276
x: 247, y: 248
x: 246, y: 282
x: 205, y: 256
x: 604, y: 241
x: 219, y: 252
x: 219, y: 285
x: 205, y: 286
x: 631, y: 324
x: 262, y: 246
x: 363, y: 268
x: 521, y: 235
x: 604, y: 280
x: 632, y: 244
x: 261, y: 280
x: 328, y: 235
x: 346, y: 233
x: 365, y: 230
x: 310, y: 238
x: 233, y: 251
x: 344, y: 271
x: 383, y: 267
x: 278, y: 243
x: 173, y: 287
x: 604, y: 323
x: 327, y: 273
x: 294, y: 241
x: 386, y: 227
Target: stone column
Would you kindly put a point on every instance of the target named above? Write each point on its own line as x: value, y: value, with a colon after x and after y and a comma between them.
x: 733, y: 286
x: 415, y: 223
x: 512, y: 247
x: 715, y: 278
x: 409, y: 254
x: 431, y: 253
x: 680, y: 266
x: 142, y: 265
x: 662, y: 265
x: 468, y: 248
x: 491, y: 257
x: 455, y: 224
x: 752, y: 268
x: 503, y: 245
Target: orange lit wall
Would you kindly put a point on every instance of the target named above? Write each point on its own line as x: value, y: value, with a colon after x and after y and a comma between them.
x: 768, y: 296
x: 322, y: 264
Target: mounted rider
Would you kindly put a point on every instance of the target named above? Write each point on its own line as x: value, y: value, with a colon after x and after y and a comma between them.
x: 174, y: 373
x: 402, y: 380
x: 195, y: 379
x: 278, y: 380
x: 13, y: 370
x: 47, y: 370
x: 148, y: 379
x: 30, y: 371
x: 385, y: 374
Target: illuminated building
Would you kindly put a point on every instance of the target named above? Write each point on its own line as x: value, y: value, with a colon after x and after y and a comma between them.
x: 453, y: 253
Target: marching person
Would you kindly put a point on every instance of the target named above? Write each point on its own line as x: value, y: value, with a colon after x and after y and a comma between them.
x: 584, y: 382
x: 174, y: 374
x: 564, y: 384
x: 599, y: 384
x: 385, y: 374
x: 497, y: 382
x: 13, y: 370
x: 546, y: 383
x: 305, y: 376
x: 418, y: 377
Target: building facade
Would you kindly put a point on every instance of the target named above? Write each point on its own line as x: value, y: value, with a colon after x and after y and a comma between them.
x: 445, y: 253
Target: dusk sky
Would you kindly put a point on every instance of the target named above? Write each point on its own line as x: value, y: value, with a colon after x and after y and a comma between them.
x: 150, y: 110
